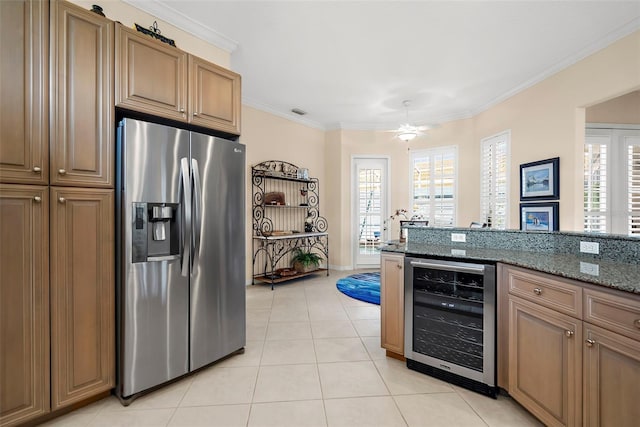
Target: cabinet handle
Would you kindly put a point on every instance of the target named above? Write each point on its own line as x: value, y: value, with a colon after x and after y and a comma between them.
x: 537, y: 291
x: 37, y: 199
x: 590, y: 342
x: 62, y: 171
x: 637, y: 323
x: 62, y: 199
x: 569, y: 334
x: 37, y: 169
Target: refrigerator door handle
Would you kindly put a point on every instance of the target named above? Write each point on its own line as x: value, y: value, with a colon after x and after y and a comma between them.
x: 186, y: 200
x: 197, y: 209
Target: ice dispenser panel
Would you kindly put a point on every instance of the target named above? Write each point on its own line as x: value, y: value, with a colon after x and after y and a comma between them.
x: 156, y: 233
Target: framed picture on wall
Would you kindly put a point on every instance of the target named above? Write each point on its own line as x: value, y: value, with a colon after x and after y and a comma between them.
x: 539, y: 216
x: 540, y: 180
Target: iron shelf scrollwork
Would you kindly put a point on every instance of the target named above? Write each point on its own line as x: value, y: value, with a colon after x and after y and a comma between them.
x: 286, y: 217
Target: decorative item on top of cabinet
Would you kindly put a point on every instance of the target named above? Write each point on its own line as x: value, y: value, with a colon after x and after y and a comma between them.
x: 24, y: 303
x: 392, y: 304
x: 24, y: 122
x: 283, y: 206
x: 82, y: 130
x: 82, y: 294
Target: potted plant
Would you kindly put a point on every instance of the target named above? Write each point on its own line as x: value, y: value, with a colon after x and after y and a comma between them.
x: 305, y: 261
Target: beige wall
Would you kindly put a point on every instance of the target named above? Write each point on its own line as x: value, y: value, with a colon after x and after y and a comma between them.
x: 624, y: 109
x: 117, y: 10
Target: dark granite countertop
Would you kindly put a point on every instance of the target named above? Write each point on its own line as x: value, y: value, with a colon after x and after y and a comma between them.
x: 616, y: 275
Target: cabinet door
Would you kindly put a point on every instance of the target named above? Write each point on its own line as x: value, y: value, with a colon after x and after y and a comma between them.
x: 82, y: 294
x: 24, y: 65
x: 214, y: 96
x: 82, y: 141
x: 151, y: 76
x: 545, y: 362
x: 611, y: 378
x: 24, y: 303
x: 392, y: 303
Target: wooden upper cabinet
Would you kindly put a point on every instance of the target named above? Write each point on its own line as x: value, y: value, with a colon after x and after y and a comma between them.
x: 82, y: 294
x: 155, y: 78
x: 392, y: 303
x: 214, y: 96
x: 24, y: 93
x: 82, y: 114
x: 151, y: 76
x: 24, y: 303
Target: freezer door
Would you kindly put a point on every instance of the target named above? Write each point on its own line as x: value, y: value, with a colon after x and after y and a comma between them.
x: 153, y: 296
x: 218, y: 273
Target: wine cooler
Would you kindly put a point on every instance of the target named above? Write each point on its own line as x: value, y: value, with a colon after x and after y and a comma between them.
x: 450, y: 321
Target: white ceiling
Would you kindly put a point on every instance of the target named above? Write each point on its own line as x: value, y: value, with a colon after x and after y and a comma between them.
x: 351, y: 64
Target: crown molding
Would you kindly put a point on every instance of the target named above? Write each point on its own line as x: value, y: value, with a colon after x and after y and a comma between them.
x: 176, y: 18
x: 289, y: 116
x: 610, y: 38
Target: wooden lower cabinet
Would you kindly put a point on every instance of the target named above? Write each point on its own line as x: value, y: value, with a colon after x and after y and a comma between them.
x: 545, y: 362
x: 24, y: 303
x: 611, y: 379
x: 392, y: 303
x: 82, y: 294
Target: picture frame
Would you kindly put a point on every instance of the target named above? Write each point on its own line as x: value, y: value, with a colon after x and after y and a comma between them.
x: 539, y: 216
x: 540, y: 180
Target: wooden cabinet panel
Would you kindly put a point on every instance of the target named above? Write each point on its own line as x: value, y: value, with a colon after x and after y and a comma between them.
x: 82, y: 139
x: 546, y: 290
x: 616, y: 312
x: 545, y: 365
x: 611, y: 379
x: 82, y: 294
x: 214, y: 96
x: 24, y: 65
x: 392, y: 303
x: 24, y: 303
x: 150, y: 76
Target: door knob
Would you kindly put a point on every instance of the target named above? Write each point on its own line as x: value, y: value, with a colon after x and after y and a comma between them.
x: 62, y: 171
x: 36, y: 169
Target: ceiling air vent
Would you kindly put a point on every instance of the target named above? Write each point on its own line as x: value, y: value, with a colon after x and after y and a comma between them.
x: 298, y: 111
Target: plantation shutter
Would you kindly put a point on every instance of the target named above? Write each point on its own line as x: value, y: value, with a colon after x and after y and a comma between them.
x: 633, y: 187
x: 595, y: 184
x: 433, y: 190
x: 494, y: 181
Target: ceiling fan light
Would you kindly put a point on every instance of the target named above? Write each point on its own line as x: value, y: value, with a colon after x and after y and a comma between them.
x: 407, y: 135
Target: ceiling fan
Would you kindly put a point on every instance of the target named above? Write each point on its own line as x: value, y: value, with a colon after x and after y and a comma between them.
x: 406, y: 132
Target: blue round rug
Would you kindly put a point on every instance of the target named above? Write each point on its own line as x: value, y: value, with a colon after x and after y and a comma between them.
x: 363, y: 286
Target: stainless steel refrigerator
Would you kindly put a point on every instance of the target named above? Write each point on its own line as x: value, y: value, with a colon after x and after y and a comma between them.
x: 181, y: 253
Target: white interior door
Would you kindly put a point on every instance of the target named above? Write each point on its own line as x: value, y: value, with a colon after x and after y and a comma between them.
x: 370, y: 192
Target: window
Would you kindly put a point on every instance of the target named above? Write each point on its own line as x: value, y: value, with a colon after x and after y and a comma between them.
x: 433, y: 185
x: 494, y: 180
x: 612, y: 181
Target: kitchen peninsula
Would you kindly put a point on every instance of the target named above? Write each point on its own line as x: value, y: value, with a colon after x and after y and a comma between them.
x: 567, y: 323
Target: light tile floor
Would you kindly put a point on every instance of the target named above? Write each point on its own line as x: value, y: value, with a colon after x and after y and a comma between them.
x: 313, y: 358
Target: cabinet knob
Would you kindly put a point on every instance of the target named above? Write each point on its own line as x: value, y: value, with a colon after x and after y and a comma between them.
x: 62, y: 199
x: 590, y: 342
x: 37, y: 199
x: 182, y: 110
x: 36, y: 169
x: 637, y: 323
x: 569, y: 334
x: 537, y: 291
x: 399, y: 266
x: 195, y: 113
x: 62, y: 171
